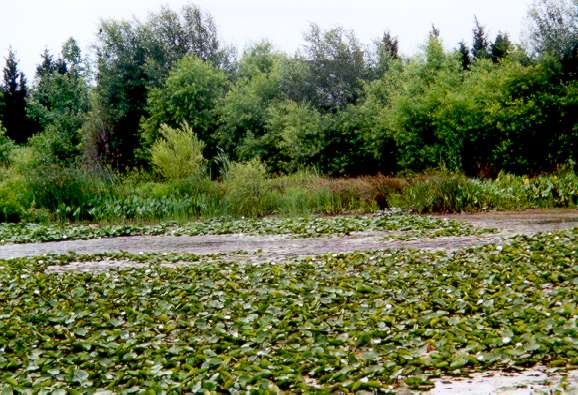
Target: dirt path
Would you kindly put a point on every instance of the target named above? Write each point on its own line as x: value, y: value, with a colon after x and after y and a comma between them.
x: 284, y: 247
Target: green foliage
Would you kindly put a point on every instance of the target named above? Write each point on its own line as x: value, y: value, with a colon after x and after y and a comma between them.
x: 480, y: 45
x: 336, y: 107
x: 68, y: 192
x: 401, y: 225
x: 132, y: 199
x: 444, y: 193
x: 355, y: 140
x: 386, y: 52
x: 554, y: 27
x: 456, y: 193
x: 482, y: 121
x: 134, y: 57
x: 337, y: 63
x: 243, y: 111
x: 58, y: 103
x: 259, y: 58
x: 14, y: 198
x: 414, y: 112
x: 501, y: 47
x: 228, y: 327
x: 246, y: 186
x: 294, y: 135
x: 6, y: 147
x: 557, y: 190
x: 14, y: 91
x: 189, y: 94
x: 178, y: 153
x: 146, y: 208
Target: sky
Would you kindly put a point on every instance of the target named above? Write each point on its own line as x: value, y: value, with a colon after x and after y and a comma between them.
x: 30, y: 26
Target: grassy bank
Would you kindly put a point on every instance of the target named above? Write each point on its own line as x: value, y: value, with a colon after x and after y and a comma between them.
x: 73, y: 194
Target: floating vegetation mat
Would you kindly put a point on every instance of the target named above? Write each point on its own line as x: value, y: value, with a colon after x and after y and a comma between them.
x: 359, y: 321
x: 407, y: 225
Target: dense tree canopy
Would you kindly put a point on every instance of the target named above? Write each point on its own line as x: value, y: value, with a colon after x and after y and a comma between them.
x: 338, y: 66
x: 189, y: 94
x: 134, y: 57
x: 58, y: 103
x: 337, y: 105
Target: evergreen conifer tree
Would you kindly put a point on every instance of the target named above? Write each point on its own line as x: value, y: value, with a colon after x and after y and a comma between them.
x: 501, y: 47
x: 480, y: 45
x: 465, y: 58
x: 14, y: 89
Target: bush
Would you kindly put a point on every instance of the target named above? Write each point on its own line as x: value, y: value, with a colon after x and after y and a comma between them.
x: 179, y: 153
x: 246, y: 186
x: 190, y: 94
x: 456, y: 193
x: 6, y: 146
x: 68, y: 192
x: 11, y: 207
x: 440, y: 193
x: 15, y: 197
x: 134, y: 198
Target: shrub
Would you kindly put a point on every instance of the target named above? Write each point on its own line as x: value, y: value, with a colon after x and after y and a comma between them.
x: 456, y: 193
x: 444, y: 193
x: 6, y: 146
x: 246, y: 186
x: 138, y: 199
x: 11, y: 207
x: 179, y: 153
x: 68, y: 192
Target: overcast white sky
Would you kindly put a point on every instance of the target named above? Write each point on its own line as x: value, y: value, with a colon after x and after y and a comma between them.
x: 29, y: 26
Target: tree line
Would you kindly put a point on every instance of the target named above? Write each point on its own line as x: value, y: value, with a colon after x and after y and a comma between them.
x: 337, y: 105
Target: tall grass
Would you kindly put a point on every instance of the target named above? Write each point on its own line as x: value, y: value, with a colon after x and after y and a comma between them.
x: 447, y: 192
x: 76, y: 194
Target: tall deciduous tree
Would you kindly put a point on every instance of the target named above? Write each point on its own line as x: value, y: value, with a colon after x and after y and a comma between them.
x: 553, y: 30
x: 189, y: 95
x: 265, y: 76
x: 338, y: 67
x: 553, y: 26
x: 133, y: 57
